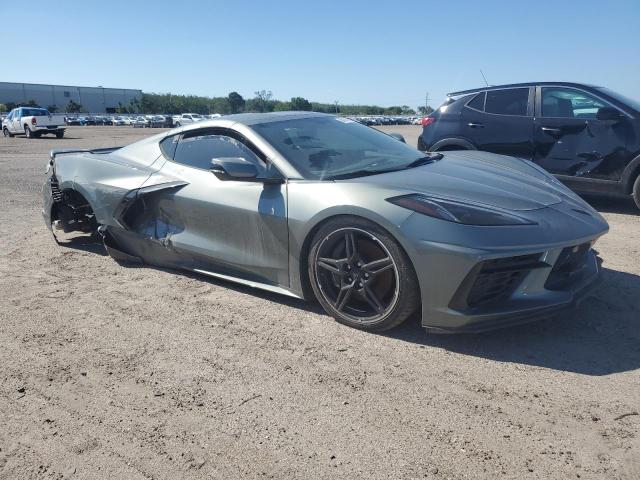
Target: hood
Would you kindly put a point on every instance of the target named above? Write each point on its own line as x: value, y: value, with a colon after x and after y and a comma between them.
x: 478, y: 177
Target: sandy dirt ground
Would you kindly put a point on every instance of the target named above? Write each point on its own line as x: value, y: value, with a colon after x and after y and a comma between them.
x: 140, y: 373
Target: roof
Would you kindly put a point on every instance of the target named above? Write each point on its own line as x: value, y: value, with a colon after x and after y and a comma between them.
x: 515, y: 85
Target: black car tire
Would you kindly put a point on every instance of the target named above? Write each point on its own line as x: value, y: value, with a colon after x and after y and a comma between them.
x: 394, y: 285
x: 7, y: 133
x: 59, y: 134
x: 636, y: 191
x: 178, y: 125
x: 27, y: 132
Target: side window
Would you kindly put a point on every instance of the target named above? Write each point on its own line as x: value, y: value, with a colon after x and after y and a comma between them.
x: 477, y: 103
x: 199, y: 148
x: 168, y: 146
x: 511, y: 101
x: 569, y: 103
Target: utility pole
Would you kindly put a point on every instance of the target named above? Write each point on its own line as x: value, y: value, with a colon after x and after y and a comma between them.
x: 426, y: 103
x: 336, y: 103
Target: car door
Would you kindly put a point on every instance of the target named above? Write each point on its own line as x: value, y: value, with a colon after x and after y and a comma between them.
x: 16, y: 124
x: 501, y: 121
x: 229, y: 227
x: 571, y: 140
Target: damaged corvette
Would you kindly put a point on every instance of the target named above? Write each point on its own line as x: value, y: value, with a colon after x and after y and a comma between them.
x: 321, y: 207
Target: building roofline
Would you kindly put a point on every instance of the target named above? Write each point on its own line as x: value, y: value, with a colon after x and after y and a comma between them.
x: 68, y: 86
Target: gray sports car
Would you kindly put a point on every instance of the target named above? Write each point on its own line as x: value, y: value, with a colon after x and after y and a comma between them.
x: 313, y: 205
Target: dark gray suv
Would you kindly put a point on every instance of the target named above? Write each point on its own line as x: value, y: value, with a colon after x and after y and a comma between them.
x: 587, y: 136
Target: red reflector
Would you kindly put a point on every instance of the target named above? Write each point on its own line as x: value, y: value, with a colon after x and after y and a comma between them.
x: 426, y: 121
x: 33, y: 120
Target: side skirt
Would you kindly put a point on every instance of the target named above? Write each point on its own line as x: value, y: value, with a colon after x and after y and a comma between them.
x: 250, y: 283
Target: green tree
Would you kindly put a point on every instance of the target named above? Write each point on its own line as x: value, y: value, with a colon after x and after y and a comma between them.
x: 52, y: 108
x: 236, y: 102
x: 262, y: 100
x: 422, y: 110
x: 3, y: 108
x: 73, y: 107
x: 299, y: 103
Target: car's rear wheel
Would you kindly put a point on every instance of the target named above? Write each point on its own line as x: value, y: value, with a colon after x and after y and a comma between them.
x: 361, y: 276
x: 27, y: 132
x: 636, y: 191
x: 59, y: 134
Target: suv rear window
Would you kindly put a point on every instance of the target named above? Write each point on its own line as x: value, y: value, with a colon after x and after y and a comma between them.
x: 478, y: 102
x: 511, y: 101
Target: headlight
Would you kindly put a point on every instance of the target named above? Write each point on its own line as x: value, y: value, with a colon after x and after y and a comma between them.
x: 458, y: 212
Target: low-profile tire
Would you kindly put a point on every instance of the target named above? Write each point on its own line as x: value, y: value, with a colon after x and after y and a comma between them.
x: 59, y: 134
x: 361, y: 275
x: 636, y: 191
x: 7, y: 133
x: 27, y: 132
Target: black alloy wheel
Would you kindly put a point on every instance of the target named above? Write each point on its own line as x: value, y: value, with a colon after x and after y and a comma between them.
x: 361, y: 276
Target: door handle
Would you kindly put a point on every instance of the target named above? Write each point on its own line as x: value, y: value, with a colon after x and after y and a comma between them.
x: 555, y: 132
x: 475, y: 125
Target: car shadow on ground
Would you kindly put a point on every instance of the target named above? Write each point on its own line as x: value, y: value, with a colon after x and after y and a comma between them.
x: 600, y: 338
x: 624, y: 206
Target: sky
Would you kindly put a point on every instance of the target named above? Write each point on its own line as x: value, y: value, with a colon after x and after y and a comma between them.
x: 354, y: 52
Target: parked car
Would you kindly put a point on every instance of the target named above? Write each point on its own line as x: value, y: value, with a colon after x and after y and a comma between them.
x: 32, y: 122
x: 118, y: 121
x: 310, y: 205
x: 74, y: 120
x: 139, y: 122
x: 155, y: 121
x: 186, y: 119
x: 587, y: 136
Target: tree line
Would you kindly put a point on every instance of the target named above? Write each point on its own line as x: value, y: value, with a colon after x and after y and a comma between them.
x: 262, y: 101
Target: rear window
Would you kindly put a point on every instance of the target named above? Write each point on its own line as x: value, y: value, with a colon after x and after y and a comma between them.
x: 512, y: 101
x: 478, y: 102
x: 34, y: 112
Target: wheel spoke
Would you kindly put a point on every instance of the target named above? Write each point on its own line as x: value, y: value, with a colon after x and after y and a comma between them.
x: 372, y: 299
x: 334, y: 265
x: 378, y: 266
x: 350, y: 245
x: 343, y: 296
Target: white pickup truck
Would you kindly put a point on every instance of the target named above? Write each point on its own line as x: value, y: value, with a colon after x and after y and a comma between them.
x: 32, y: 122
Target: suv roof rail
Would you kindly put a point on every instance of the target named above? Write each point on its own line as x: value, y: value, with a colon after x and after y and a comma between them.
x: 515, y: 85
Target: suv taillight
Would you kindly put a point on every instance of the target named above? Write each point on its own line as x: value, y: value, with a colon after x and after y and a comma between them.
x: 426, y: 121
x: 33, y: 120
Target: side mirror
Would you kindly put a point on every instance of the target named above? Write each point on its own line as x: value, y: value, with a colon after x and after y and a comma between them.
x: 233, y: 168
x: 398, y: 137
x: 608, y: 114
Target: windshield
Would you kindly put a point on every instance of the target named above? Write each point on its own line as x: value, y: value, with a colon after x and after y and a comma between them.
x: 326, y: 148
x: 621, y: 98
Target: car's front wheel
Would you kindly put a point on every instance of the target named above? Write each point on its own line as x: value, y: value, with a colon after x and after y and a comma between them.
x: 6, y: 132
x: 361, y: 276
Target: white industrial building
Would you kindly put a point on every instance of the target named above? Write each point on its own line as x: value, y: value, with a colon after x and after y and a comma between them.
x: 92, y: 99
